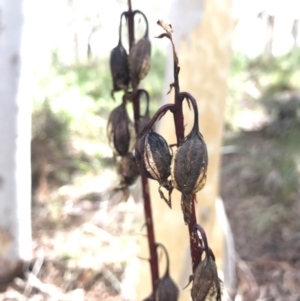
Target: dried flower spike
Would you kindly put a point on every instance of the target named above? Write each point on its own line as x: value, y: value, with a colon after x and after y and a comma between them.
x: 189, y: 165
x: 206, y: 283
x: 139, y: 58
x: 166, y: 289
x: 119, y: 65
x: 153, y: 158
x: 120, y: 131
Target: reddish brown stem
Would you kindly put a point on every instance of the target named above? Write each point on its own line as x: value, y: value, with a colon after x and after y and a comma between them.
x: 145, y: 185
x: 178, y: 114
x: 159, y: 113
x: 179, y: 128
x: 130, y: 20
x: 150, y: 231
x: 195, y: 249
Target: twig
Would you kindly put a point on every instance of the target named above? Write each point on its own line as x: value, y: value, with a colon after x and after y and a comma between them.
x: 36, y: 268
x: 112, y: 279
x: 48, y: 289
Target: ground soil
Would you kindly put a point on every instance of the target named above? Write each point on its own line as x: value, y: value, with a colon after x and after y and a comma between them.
x: 265, y: 226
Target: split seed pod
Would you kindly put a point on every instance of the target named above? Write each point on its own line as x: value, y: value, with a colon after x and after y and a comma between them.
x: 119, y: 65
x: 120, y: 131
x: 189, y: 166
x: 153, y: 158
x: 128, y: 169
x: 166, y: 289
x: 206, y: 283
x: 139, y: 58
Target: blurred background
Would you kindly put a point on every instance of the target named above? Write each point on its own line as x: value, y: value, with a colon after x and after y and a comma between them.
x: 73, y: 203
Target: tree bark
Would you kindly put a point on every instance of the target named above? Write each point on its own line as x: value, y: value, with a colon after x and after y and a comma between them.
x: 15, y: 134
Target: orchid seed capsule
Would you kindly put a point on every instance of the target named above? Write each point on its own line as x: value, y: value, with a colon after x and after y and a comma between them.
x: 139, y: 59
x: 120, y: 131
x: 166, y: 289
x: 189, y: 166
x: 119, y: 65
x: 206, y: 282
x: 153, y: 158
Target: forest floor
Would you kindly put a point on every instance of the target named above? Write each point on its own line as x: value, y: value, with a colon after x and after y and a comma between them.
x: 84, y: 234
x: 265, y: 221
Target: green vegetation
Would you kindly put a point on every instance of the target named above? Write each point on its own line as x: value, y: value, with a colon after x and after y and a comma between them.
x: 268, y: 153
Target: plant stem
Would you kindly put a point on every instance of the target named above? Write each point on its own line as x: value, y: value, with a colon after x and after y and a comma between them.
x: 178, y: 114
x: 150, y: 231
x: 135, y: 100
x: 194, y: 246
x: 145, y: 185
x: 130, y: 20
x: 179, y: 129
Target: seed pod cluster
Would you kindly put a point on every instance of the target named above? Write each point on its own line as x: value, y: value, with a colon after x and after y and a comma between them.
x: 153, y: 158
x: 120, y: 131
x: 189, y: 166
x: 139, y: 58
x: 119, y: 65
x: 166, y: 289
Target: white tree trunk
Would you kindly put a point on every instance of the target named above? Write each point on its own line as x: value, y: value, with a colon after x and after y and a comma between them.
x: 15, y: 135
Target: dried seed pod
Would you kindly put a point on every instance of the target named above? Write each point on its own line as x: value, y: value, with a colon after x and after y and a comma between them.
x: 153, y: 158
x: 144, y: 120
x: 189, y: 166
x: 166, y: 289
x: 128, y: 169
x: 119, y: 65
x: 206, y: 283
x: 139, y: 58
x: 120, y: 131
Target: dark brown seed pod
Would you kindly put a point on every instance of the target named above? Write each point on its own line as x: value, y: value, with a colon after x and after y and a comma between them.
x: 189, y: 166
x: 166, y: 289
x: 119, y: 65
x: 139, y: 58
x: 206, y: 283
x: 120, y: 131
x: 153, y: 158
x: 128, y: 169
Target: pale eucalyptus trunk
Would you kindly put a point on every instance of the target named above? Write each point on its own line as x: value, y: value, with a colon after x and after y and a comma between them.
x: 15, y: 135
